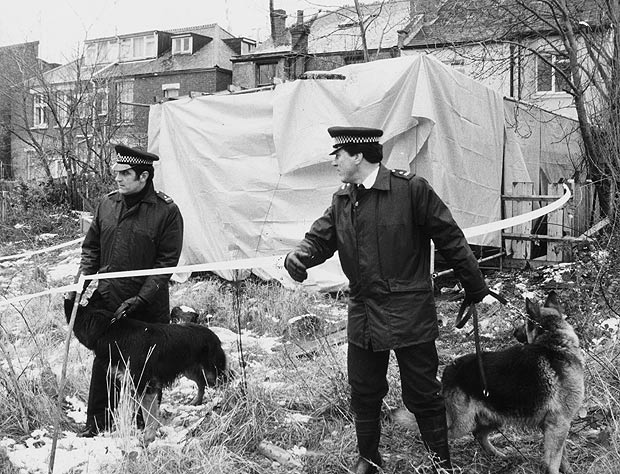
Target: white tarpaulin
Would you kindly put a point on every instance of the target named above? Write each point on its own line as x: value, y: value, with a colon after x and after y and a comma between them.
x: 251, y: 172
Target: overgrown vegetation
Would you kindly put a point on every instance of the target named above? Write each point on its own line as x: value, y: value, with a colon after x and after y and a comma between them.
x: 33, y: 210
x: 298, y: 399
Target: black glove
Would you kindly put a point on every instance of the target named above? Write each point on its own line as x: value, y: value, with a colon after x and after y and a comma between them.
x: 472, y: 297
x: 295, y: 265
x: 129, y: 306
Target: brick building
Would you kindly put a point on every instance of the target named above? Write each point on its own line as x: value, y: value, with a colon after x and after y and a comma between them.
x: 514, y: 52
x: 76, y: 111
x: 18, y: 63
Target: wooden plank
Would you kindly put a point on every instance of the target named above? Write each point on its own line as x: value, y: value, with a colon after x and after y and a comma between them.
x: 540, y: 197
x: 522, y: 249
x: 555, y: 228
x: 546, y: 238
x: 583, y: 206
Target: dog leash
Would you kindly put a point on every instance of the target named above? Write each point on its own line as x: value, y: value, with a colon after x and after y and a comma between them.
x: 467, y: 311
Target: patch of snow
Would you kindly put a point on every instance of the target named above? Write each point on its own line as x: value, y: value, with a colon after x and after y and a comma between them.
x: 46, y: 236
x: 297, y: 418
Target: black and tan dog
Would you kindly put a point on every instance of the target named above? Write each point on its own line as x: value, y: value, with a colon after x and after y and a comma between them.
x: 537, y: 385
x: 154, y: 354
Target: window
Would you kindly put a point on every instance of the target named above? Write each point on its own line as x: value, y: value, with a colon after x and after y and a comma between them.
x: 102, y: 101
x: 39, y: 120
x: 84, y: 106
x: 101, y: 52
x: 31, y: 159
x: 63, y: 104
x: 265, y: 73
x: 182, y: 45
x: 57, y: 168
x: 90, y: 55
x: 171, y: 90
x: 124, y: 96
x: 354, y: 58
x: 549, y: 70
x: 138, y: 47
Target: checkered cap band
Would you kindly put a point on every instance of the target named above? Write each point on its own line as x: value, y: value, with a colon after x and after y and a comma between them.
x: 345, y: 139
x: 133, y: 160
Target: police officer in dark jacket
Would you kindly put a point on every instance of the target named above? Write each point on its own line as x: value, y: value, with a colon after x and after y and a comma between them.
x: 381, y: 222
x: 134, y: 228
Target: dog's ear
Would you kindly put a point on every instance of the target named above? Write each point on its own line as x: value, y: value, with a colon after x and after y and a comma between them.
x: 532, y: 308
x: 553, y: 302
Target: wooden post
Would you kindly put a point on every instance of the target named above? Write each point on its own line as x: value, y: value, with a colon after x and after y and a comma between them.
x: 3, y: 205
x: 522, y: 248
x: 555, y: 227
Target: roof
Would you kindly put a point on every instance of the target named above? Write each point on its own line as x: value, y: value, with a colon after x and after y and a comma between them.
x: 464, y: 21
x: 455, y: 22
x: 339, y: 30
x: 215, y: 53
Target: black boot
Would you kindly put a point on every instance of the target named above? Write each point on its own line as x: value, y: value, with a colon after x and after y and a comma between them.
x: 95, y: 424
x: 368, y: 434
x: 434, y: 432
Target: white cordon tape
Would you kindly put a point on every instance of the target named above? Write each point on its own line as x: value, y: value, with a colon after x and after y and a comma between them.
x: 36, y: 252
x: 278, y: 260
x: 517, y: 220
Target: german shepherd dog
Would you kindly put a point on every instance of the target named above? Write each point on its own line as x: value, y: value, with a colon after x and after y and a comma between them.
x: 539, y: 384
x: 155, y: 354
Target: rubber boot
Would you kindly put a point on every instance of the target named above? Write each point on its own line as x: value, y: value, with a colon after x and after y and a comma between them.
x: 434, y: 433
x: 368, y: 433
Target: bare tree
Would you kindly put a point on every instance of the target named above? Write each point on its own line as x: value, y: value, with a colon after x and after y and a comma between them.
x: 68, y: 118
x: 576, y: 42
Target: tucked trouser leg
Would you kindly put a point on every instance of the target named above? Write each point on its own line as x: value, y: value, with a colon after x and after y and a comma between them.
x: 422, y: 396
x: 367, y: 377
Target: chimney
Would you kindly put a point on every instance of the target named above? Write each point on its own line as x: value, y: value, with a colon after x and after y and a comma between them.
x: 299, y: 34
x: 278, y: 26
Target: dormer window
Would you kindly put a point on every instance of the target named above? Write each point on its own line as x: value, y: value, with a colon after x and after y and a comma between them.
x: 182, y: 45
x: 138, y: 47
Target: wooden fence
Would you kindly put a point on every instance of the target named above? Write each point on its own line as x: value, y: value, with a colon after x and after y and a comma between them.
x: 551, y: 237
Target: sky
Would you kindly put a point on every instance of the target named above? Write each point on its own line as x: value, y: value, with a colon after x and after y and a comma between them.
x: 61, y: 25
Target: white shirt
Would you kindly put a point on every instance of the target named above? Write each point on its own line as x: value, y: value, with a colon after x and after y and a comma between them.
x: 371, y: 178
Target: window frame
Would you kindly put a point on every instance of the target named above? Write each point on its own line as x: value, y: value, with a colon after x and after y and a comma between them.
x: 176, y: 40
x: 130, y: 51
x: 39, y: 114
x: 123, y: 91
x: 555, y: 80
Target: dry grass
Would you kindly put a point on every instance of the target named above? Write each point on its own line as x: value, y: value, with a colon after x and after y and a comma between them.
x: 280, y: 386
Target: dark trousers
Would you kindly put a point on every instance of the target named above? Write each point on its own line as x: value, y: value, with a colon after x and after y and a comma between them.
x: 102, y: 395
x: 418, y: 376
x: 104, y: 389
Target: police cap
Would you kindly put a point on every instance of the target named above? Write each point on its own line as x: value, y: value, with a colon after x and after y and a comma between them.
x: 127, y: 158
x: 353, y: 136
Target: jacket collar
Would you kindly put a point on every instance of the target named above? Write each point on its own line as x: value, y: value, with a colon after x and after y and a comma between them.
x: 383, y: 179
x: 382, y: 183
x: 150, y: 196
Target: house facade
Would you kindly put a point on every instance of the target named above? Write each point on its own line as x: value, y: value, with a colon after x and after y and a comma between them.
x: 73, y: 114
x: 476, y: 38
x: 18, y: 63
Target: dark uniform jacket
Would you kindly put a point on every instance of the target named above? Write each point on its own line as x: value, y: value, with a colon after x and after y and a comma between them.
x: 149, y: 235
x: 383, y: 241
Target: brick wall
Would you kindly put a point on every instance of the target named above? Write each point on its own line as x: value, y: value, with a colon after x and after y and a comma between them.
x: 148, y: 90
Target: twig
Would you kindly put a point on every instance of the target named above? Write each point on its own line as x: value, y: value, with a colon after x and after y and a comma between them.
x: 63, y: 375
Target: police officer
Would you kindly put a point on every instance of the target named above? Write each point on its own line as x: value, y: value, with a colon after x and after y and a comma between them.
x: 134, y: 228
x: 381, y: 223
